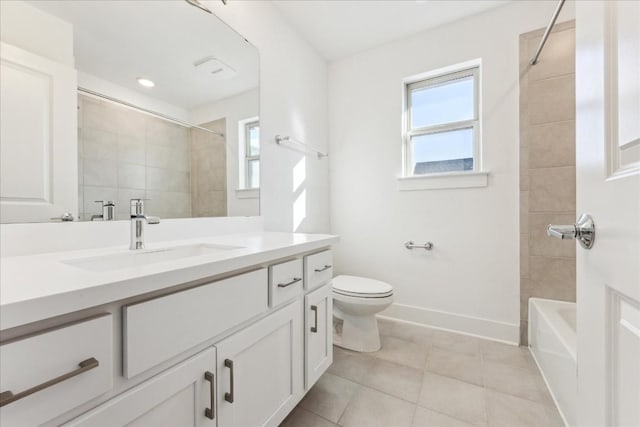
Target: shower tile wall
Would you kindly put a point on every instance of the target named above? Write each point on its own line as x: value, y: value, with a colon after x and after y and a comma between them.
x: 125, y: 154
x: 209, y: 170
x: 547, y: 167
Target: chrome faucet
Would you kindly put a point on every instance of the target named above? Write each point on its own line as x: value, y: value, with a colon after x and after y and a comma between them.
x: 138, y: 218
x: 108, y: 211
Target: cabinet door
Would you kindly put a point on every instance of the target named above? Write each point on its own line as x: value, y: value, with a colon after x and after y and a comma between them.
x: 38, y: 137
x: 260, y: 370
x: 180, y: 396
x: 318, y: 309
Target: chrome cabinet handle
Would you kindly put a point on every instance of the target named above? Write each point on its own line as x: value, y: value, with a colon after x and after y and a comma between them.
x: 584, y: 231
x: 295, y: 280
x: 410, y: 245
x: 7, y: 397
x: 211, y: 412
x: 228, y: 363
x: 319, y: 270
x: 314, y: 308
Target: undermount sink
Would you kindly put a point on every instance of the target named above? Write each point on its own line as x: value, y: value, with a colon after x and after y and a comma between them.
x: 144, y: 257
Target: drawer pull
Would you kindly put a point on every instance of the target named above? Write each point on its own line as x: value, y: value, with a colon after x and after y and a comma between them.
x: 211, y: 412
x: 7, y: 397
x: 229, y: 396
x: 295, y: 280
x: 314, y: 308
x: 320, y: 270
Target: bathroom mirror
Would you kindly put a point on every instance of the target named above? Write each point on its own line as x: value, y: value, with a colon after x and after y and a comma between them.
x: 168, y: 109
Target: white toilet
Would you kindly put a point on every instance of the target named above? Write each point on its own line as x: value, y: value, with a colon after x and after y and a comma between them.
x: 356, y: 300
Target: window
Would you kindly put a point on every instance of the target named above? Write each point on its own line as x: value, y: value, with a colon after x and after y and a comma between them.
x: 252, y: 154
x: 442, y: 124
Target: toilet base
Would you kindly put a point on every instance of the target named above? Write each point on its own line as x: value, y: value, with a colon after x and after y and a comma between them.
x: 359, y: 333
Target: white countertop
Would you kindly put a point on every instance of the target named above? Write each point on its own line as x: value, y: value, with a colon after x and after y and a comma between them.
x: 37, y: 287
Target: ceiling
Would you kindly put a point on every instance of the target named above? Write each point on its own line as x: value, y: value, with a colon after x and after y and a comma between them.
x: 119, y: 41
x: 341, y: 28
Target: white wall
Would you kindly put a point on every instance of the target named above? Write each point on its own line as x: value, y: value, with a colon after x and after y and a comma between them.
x: 470, y: 281
x: 293, y: 101
x: 53, y: 41
x: 233, y: 109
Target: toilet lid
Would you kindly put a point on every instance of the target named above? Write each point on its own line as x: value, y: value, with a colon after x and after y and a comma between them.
x: 361, y: 287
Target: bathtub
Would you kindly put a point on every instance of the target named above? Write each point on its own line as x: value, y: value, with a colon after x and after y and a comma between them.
x: 552, y: 341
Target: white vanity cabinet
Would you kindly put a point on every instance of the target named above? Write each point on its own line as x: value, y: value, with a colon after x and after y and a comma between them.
x: 318, y: 343
x: 46, y: 374
x: 180, y: 396
x: 260, y: 370
x: 234, y: 350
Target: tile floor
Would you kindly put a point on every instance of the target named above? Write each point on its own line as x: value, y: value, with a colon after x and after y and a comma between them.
x: 428, y: 378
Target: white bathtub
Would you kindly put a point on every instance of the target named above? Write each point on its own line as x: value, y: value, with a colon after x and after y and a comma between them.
x: 552, y: 341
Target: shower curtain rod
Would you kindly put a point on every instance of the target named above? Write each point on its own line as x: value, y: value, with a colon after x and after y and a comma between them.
x: 534, y: 60
x: 144, y: 110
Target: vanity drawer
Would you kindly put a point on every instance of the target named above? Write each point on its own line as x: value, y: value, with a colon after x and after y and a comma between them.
x: 318, y: 269
x: 159, y: 329
x: 285, y: 281
x: 63, y: 368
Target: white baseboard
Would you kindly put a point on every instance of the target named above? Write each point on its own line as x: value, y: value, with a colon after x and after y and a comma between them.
x: 475, y: 326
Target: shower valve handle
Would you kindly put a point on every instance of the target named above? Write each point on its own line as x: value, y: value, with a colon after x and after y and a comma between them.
x: 564, y: 232
x: 584, y: 231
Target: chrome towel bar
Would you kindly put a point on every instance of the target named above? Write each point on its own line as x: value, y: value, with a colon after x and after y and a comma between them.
x: 410, y: 245
x: 280, y: 139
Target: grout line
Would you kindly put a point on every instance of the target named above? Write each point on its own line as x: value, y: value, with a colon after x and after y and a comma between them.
x: 546, y: 123
x: 573, y: 73
x: 530, y: 125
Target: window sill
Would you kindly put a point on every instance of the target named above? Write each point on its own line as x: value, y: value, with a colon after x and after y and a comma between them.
x: 248, y: 193
x: 440, y: 181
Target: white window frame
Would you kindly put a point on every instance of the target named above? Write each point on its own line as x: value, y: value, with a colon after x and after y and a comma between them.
x: 247, y: 149
x: 244, y: 191
x: 435, y: 78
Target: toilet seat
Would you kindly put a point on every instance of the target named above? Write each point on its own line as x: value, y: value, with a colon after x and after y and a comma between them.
x: 361, y: 287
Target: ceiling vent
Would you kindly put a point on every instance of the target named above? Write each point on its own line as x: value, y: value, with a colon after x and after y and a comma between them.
x: 214, y: 68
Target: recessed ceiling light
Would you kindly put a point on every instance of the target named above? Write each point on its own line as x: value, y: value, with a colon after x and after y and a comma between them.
x: 146, y: 82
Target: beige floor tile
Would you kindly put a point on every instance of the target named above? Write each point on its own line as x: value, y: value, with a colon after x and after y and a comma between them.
x: 302, y: 418
x: 385, y: 327
x: 455, y: 342
x: 415, y: 333
x: 402, y: 352
x: 397, y: 380
x: 350, y: 364
x: 371, y: 408
x: 511, y: 355
x: 461, y: 366
x: 454, y: 398
x: 510, y: 411
x: 555, y: 419
x: 524, y: 383
x: 428, y: 418
x: 329, y: 397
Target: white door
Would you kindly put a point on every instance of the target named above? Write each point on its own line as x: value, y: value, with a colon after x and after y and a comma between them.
x: 608, y: 188
x: 38, y: 137
x: 180, y: 396
x: 260, y: 370
x: 318, y: 333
